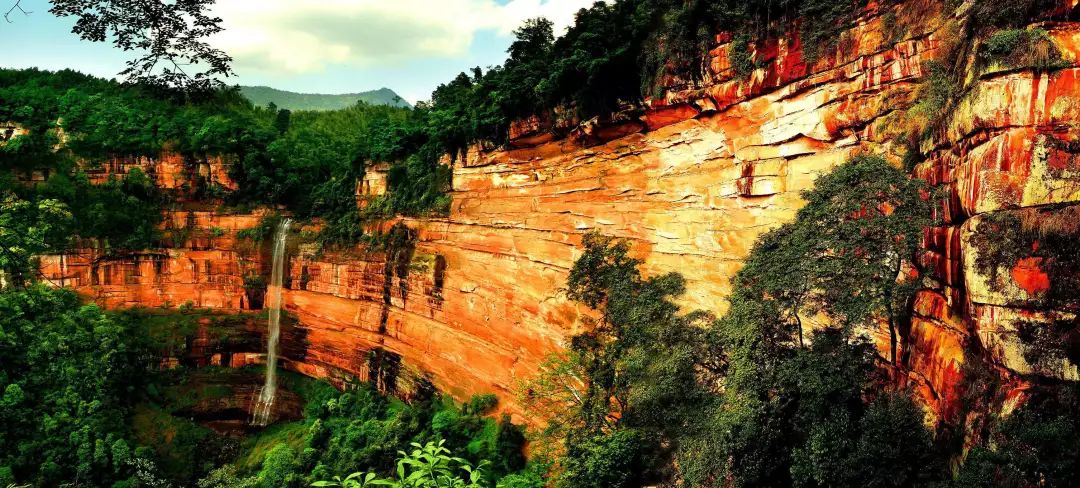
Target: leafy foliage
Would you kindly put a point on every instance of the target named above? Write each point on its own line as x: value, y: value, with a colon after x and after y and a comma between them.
x: 990, y: 14
x: 360, y: 431
x: 27, y: 230
x: 122, y: 213
x: 793, y: 414
x: 649, y: 395
x: 48, y: 218
x: 869, y: 218
x: 427, y: 466
x: 739, y: 55
x: 844, y: 255
x: 627, y: 385
x: 81, y: 399
x: 1035, y: 446
x: 169, y: 35
x: 67, y: 371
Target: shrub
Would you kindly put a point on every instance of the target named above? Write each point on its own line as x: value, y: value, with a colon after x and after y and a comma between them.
x: 482, y: 404
x: 1034, y: 446
x: 985, y: 14
x: 607, y: 461
x: 278, y: 468
x: 255, y: 282
x: 263, y: 230
x: 1021, y: 48
x: 739, y: 55
x: 427, y: 466
x: 821, y: 21
x: 935, y: 95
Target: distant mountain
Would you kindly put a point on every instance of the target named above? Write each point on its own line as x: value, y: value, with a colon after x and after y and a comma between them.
x: 262, y: 95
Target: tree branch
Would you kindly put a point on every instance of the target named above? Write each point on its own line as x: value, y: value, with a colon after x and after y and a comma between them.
x: 7, y: 15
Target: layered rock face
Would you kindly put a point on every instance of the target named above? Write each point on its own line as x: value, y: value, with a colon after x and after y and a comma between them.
x: 474, y: 303
x: 183, y: 175
x: 206, y: 267
x: 1006, y: 162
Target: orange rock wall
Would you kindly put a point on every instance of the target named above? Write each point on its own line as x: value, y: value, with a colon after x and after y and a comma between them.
x: 1010, y: 144
x: 207, y: 269
x: 692, y: 185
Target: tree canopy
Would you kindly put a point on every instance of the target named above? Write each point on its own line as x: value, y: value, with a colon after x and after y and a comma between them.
x: 169, y: 37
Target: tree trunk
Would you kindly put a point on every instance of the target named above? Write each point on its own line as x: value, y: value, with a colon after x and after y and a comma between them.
x: 798, y: 321
x: 892, y: 327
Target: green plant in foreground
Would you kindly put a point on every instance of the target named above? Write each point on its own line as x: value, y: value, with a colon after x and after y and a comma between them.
x: 427, y: 466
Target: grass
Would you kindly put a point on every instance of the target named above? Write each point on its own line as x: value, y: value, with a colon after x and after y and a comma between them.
x: 255, y: 447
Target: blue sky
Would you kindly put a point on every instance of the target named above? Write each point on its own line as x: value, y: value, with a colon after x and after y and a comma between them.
x: 324, y: 46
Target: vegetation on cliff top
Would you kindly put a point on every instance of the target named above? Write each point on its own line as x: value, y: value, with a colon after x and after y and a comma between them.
x: 613, y: 56
x: 308, y: 162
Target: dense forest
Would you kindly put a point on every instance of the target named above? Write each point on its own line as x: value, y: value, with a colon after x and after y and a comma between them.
x: 648, y: 396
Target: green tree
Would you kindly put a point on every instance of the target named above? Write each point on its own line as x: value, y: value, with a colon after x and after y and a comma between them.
x: 632, y: 377
x: 279, y: 468
x: 67, y: 373
x: 610, y: 460
x: 850, y: 252
x: 796, y: 412
x: 529, y: 62
x: 281, y: 122
x: 170, y: 38
x: 227, y: 477
x: 1034, y: 446
x: 27, y: 230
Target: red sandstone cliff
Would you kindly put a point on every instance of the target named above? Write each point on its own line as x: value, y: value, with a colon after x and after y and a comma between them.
x: 691, y: 183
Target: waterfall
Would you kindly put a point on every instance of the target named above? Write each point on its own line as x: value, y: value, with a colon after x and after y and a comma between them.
x: 264, y: 405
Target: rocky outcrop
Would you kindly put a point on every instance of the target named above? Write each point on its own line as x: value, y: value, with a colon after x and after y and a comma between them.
x: 184, y: 176
x: 204, y: 265
x: 224, y: 399
x: 474, y: 303
x: 1011, y: 143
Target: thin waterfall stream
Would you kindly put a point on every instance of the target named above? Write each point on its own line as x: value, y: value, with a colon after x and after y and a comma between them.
x: 261, y: 415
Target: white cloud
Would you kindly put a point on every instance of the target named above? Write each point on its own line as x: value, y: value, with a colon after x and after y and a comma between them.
x: 286, y: 36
